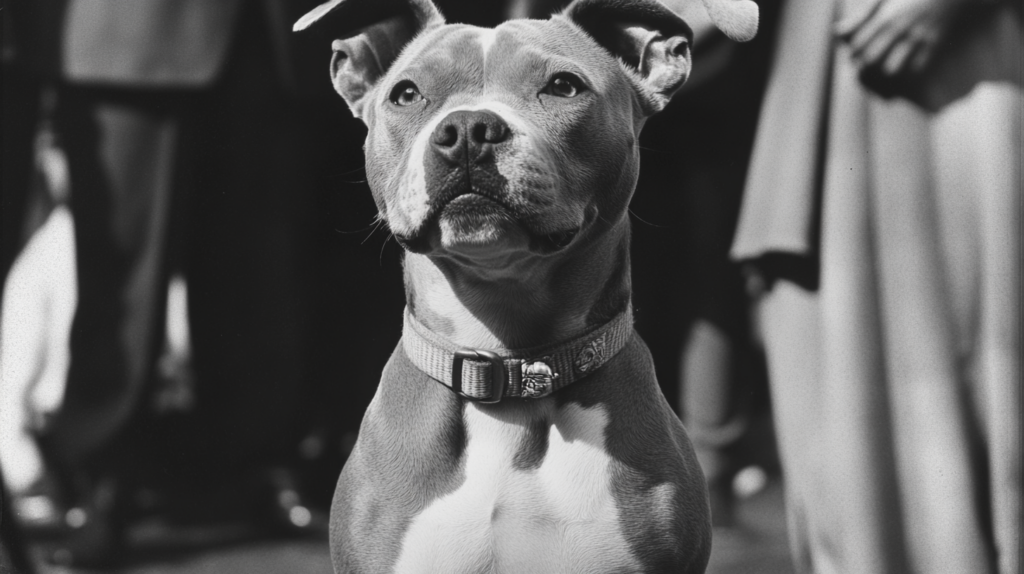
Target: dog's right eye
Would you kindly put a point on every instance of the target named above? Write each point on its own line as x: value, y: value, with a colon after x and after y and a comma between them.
x: 564, y: 85
x: 405, y: 93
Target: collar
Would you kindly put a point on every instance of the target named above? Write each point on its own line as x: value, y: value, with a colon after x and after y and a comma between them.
x: 488, y: 376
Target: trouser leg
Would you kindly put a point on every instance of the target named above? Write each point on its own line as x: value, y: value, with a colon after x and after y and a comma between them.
x: 120, y: 150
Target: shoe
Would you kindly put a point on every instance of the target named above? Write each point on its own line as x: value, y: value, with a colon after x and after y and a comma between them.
x: 40, y: 510
x: 288, y: 511
x: 94, y: 533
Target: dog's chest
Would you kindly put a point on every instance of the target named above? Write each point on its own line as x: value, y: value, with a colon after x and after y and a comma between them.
x: 537, y: 497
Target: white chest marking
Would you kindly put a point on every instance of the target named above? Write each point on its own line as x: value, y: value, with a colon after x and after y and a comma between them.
x: 560, y: 517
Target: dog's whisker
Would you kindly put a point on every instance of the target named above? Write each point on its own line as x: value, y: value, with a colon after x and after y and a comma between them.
x: 644, y: 221
x: 380, y: 257
x: 372, y: 226
x: 378, y: 221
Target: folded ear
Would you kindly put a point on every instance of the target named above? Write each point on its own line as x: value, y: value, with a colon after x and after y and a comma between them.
x: 368, y: 36
x: 646, y: 36
x: 654, y: 41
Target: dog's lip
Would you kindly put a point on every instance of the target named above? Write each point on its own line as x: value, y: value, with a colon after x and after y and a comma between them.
x: 419, y: 240
x: 438, y: 206
x: 542, y: 243
x: 469, y: 195
x: 558, y: 241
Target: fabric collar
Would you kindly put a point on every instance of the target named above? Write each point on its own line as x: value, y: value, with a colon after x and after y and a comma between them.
x: 488, y: 376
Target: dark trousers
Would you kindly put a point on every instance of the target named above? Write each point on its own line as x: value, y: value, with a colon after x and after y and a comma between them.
x: 20, y: 104
x: 218, y: 184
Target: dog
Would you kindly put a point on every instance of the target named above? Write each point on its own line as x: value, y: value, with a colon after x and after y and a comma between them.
x: 518, y: 426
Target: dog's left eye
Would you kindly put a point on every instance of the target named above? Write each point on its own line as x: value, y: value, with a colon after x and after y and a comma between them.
x: 564, y: 85
x: 405, y: 93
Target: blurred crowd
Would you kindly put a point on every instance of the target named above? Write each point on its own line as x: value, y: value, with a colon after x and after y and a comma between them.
x: 198, y: 298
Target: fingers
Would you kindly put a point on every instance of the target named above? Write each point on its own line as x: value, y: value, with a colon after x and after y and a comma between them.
x: 873, y: 41
x: 896, y: 37
x: 928, y: 44
x: 896, y: 59
x: 907, y: 53
x: 849, y: 25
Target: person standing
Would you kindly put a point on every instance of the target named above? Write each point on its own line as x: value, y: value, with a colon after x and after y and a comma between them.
x: 196, y: 139
x: 881, y: 222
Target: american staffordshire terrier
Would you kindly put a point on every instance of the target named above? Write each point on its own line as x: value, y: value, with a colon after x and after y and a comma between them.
x: 518, y: 427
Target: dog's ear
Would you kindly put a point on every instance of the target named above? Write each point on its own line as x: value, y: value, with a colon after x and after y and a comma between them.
x: 654, y: 41
x: 368, y: 35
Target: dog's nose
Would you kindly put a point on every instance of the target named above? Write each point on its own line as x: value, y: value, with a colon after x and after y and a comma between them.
x: 469, y: 136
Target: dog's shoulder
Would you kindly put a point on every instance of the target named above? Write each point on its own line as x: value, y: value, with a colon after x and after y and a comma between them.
x: 657, y: 481
x: 409, y: 452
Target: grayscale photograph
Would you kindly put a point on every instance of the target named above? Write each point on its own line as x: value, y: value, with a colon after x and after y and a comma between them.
x: 511, y: 286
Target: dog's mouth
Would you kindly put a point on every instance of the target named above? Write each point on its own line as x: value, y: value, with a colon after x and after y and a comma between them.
x: 477, y: 222
x: 472, y: 209
x: 559, y: 240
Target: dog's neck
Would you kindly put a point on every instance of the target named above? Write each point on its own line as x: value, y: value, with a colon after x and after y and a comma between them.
x: 524, y: 304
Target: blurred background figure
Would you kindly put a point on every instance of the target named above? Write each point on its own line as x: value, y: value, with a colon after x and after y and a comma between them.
x: 882, y: 222
x: 38, y: 304
x: 20, y: 101
x: 200, y: 143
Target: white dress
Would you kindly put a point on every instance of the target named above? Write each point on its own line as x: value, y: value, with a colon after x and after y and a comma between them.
x: 895, y: 370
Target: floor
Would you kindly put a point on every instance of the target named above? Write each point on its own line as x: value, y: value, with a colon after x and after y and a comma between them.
x: 757, y: 545
x: 218, y: 550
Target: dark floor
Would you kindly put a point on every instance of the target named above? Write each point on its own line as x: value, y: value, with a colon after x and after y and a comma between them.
x: 261, y: 558
x: 757, y: 545
x: 216, y: 550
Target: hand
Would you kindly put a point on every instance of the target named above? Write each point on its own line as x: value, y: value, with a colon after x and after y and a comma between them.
x: 897, y: 38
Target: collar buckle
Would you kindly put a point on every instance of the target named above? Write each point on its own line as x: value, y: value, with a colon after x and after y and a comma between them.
x: 498, y: 379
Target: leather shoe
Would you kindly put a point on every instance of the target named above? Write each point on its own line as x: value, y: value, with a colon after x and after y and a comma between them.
x: 94, y: 534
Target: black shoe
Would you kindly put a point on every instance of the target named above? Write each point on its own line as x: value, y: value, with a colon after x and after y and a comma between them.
x: 94, y: 535
x: 288, y: 510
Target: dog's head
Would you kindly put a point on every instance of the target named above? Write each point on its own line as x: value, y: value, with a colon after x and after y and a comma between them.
x: 515, y: 140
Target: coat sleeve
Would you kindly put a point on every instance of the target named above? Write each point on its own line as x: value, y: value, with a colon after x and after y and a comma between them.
x: 779, y: 212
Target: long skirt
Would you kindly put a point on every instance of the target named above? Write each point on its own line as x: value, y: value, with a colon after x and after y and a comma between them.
x: 897, y: 379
